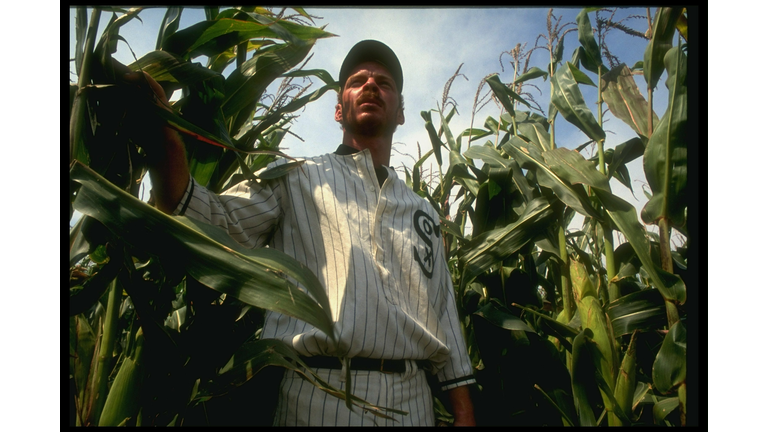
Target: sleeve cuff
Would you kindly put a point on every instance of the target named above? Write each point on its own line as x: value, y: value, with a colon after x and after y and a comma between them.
x: 458, y: 382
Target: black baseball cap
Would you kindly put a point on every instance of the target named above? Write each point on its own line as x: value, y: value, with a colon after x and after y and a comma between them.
x: 372, y: 50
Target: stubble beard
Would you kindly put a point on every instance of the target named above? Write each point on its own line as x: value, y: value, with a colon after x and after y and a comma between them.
x: 369, y: 126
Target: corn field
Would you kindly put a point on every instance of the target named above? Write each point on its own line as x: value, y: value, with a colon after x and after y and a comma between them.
x: 565, y: 327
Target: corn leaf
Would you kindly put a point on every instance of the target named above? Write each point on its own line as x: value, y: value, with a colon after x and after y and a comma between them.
x: 433, y: 138
x: 663, y: 408
x: 625, y: 101
x: 567, y: 98
x: 587, y: 41
x: 661, y: 41
x: 625, y: 381
x: 571, y: 166
x: 490, y: 247
x: 247, y: 83
x: 624, y: 216
x: 666, y: 155
x: 503, y: 93
x: 536, y: 133
x: 488, y: 155
x: 169, y: 25
x: 585, y: 390
x: 669, y: 368
x: 643, y: 310
x: 258, y: 277
x: 532, y: 73
x: 252, y: 357
x: 530, y: 157
x: 498, y: 316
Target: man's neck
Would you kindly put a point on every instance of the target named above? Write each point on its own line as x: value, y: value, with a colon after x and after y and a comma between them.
x: 380, y: 147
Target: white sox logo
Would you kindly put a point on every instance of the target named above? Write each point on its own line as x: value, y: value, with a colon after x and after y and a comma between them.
x: 425, y: 228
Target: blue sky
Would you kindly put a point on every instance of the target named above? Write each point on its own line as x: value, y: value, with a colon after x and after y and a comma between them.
x: 431, y: 44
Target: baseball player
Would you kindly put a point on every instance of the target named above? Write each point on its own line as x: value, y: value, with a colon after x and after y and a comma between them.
x: 371, y: 241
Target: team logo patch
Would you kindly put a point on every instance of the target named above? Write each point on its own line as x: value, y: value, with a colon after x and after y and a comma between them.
x: 426, y: 228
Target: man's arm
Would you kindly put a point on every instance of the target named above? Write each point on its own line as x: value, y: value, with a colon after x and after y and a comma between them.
x: 463, y: 411
x: 166, y: 158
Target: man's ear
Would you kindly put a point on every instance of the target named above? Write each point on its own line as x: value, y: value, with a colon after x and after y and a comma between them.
x: 338, y: 114
x: 400, y: 116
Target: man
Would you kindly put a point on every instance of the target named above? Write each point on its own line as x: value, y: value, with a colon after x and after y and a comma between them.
x: 373, y: 244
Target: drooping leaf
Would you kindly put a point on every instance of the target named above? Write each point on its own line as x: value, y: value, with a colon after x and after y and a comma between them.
x: 433, y: 138
x: 570, y: 103
x: 664, y: 407
x: 445, y: 129
x: 571, y: 166
x: 488, y: 155
x: 530, y: 157
x: 536, y: 133
x: 624, y: 216
x: 587, y: 39
x: 417, y: 171
x: 258, y: 277
x: 669, y: 368
x: 212, y: 37
x: 503, y: 93
x: 169, y: 25
x: 643, y: 310
x: 661, y: 41
x: 492, y: 246
x: 254, y: 356
x: 625, y: 101
x: 666, y: 155
x: 580, y: 76
x: 624, y: 153
x: 532, y: 73
x: 164, y: 66
x: 247, y: 83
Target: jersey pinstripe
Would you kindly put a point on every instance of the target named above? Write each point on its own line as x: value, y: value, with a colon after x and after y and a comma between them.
x: 376, y: 250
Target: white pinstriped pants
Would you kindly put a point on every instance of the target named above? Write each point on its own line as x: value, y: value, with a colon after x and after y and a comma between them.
x: 302, y: 404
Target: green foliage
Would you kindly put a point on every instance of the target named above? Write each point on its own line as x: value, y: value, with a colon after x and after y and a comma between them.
x: 605, y: 305
x: 159, y: 305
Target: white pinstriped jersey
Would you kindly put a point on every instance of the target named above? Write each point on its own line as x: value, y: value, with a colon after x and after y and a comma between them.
x: 376, y: 250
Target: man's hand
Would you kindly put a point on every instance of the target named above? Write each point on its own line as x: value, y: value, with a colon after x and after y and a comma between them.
x: 463, y: 411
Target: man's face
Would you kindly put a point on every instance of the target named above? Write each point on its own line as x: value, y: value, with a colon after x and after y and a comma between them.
x: 370, y: 102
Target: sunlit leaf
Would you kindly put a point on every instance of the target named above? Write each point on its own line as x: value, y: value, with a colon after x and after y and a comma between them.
x: 530, y: 157
x: 587, y: 39
x: 625, y: 101
x: 666, y: 155
x: 258, y: 277
x: 532, y: 73
x: 433, y: 138
x: 571, y: 166
x: 570, y: 103
x: 664, y: 23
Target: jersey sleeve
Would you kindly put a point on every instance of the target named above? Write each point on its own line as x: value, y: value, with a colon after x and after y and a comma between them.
x: 249, y: 212
x: 458, y: 369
